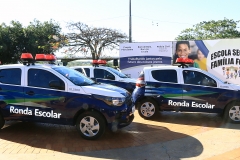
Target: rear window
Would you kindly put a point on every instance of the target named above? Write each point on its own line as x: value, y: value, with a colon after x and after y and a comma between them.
x: 165, y: 75
x: 11, y: 76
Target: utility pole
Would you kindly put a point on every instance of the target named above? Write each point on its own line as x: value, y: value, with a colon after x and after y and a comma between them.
x: 130, y: 23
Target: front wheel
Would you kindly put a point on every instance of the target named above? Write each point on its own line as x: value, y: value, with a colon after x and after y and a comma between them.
x: 147, y: 109
x: 232, y: 113
x: 90, y: 125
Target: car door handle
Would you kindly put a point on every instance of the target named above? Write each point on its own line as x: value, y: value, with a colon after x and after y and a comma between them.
x: 30, y: 93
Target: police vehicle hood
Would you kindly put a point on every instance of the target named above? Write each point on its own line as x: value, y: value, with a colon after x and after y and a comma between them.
x: 234, y: 86
x: 105, y: 90
x: 131, y: 80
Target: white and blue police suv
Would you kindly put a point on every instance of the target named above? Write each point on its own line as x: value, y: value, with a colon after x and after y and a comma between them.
x: 56, y: 94
x: 108, y: 75
x: 186, y: 89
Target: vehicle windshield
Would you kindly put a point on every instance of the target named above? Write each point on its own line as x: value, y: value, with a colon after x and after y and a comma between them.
x: 117, y: 72
x: 74, y: 76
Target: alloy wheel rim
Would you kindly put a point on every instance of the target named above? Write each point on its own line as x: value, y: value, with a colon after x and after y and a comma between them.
x: 89, y: 126
x: 234, y: 113
x: 147, y: 109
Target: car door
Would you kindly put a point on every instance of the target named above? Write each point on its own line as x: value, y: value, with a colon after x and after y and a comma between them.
x: 200, y: 92
x: 45, y: 103
x: 164, y: 87
x: 11, y: 93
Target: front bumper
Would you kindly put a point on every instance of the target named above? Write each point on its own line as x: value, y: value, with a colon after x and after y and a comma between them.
x: 126, y: 122
x: 122, y: 116
x: 122, y: 119
x: 120, y: 123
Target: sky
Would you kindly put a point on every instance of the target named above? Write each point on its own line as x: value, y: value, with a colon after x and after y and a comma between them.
x: 152, y: 20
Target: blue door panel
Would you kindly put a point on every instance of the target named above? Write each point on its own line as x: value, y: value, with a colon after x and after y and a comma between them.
x: 205, y: 99
x: 163, y: 92
x: 61, y: 104
x: 10, y: 96
x: 192, y: 98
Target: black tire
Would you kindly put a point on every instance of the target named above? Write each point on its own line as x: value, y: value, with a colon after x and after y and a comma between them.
x: 90, y: 125
x: 147, y: 109
x: 2, y: 121
x: 232, y: 113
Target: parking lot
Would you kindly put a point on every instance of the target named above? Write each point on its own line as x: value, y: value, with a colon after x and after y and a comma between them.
x: 170, y: 136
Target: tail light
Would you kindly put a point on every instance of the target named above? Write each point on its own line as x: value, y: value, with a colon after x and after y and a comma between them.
x: 140, y: 82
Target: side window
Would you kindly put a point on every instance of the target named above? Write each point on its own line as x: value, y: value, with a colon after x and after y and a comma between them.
x: 11, y: 76
x: 87, y: 71
x: 98, y: 73
x: 165, y: 75
x: 41, y: 78
x: 101, y: 73
x: 79, y: 70
x: 108, y: 75
x: 198, y: 78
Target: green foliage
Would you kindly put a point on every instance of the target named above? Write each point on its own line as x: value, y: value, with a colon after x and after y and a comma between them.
x: 12, y: 40
x: 41, y: 36
x: 36, y: 38
x: 221, y: 29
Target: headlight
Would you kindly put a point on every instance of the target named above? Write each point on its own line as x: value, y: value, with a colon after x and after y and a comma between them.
x: 111, y: 101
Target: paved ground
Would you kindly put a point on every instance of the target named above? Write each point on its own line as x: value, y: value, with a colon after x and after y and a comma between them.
x: 172, y: 136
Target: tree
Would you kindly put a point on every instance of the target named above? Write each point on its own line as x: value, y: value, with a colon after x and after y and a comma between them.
x: 93, y: 39
x: 36, y: 38
x: 43, y: 37
x: 12, y: 41
x: 226, y: 28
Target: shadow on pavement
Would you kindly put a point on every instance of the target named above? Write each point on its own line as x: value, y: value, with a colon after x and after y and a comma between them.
x: 130, y: 142
x: 194, y: 119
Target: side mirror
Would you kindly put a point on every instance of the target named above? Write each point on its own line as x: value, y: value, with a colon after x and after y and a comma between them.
x: 212, y: 83
x: 112, y: 77
x: 56, y: 85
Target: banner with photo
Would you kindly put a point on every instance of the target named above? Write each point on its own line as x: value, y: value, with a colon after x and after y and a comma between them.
x: 219, y: 57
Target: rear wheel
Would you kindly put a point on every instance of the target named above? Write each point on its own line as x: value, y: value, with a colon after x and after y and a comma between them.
x: 90, y: 125
x: 2, y: 121
x: 232, y: 113
x: 147, y: 109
